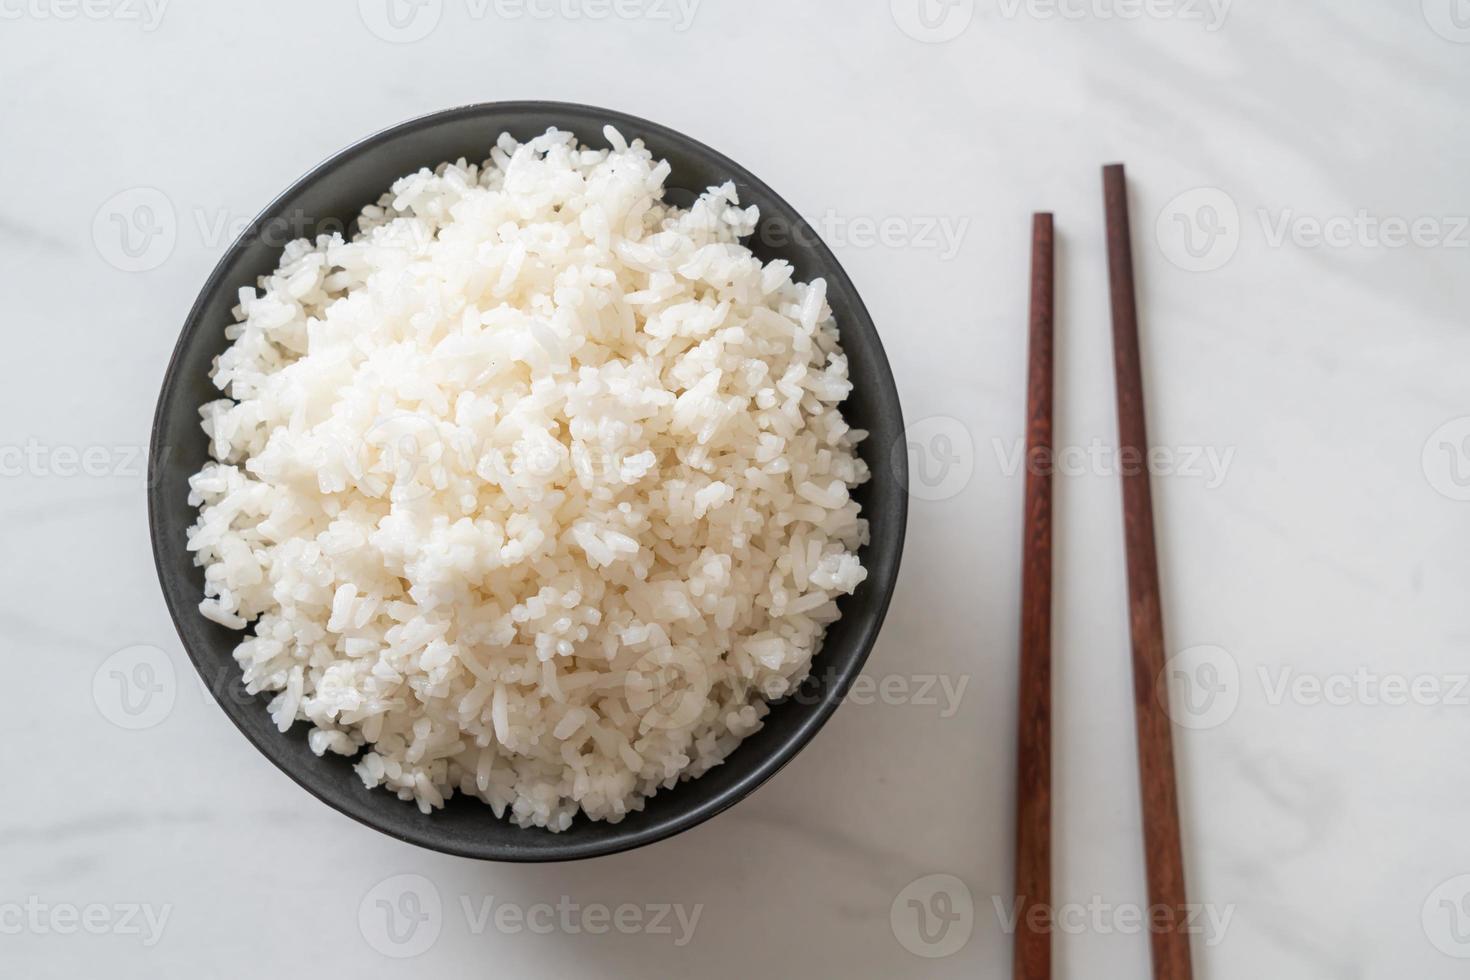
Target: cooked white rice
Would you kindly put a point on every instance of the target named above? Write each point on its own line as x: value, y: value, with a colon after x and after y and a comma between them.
x: 534, y: 490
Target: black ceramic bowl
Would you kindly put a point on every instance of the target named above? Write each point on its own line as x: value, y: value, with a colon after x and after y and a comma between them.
x: 329, y: 198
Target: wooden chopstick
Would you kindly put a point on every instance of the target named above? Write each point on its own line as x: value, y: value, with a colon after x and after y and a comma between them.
x: 1163, y: 854
x: 1032, y: 956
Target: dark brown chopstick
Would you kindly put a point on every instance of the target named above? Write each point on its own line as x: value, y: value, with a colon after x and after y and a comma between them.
x: 1032, y: 959
x: 1163, y: 854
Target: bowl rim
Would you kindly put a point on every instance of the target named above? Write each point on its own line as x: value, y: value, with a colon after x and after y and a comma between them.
x: 884, y: 578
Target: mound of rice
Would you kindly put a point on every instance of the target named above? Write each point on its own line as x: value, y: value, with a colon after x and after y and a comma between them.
x: 536, y: 489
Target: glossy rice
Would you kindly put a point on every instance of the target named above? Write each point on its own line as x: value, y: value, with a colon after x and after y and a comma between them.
x: 536, y: 489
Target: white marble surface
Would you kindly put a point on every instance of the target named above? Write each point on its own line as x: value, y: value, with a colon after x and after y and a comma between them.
x: 1329, y: 828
